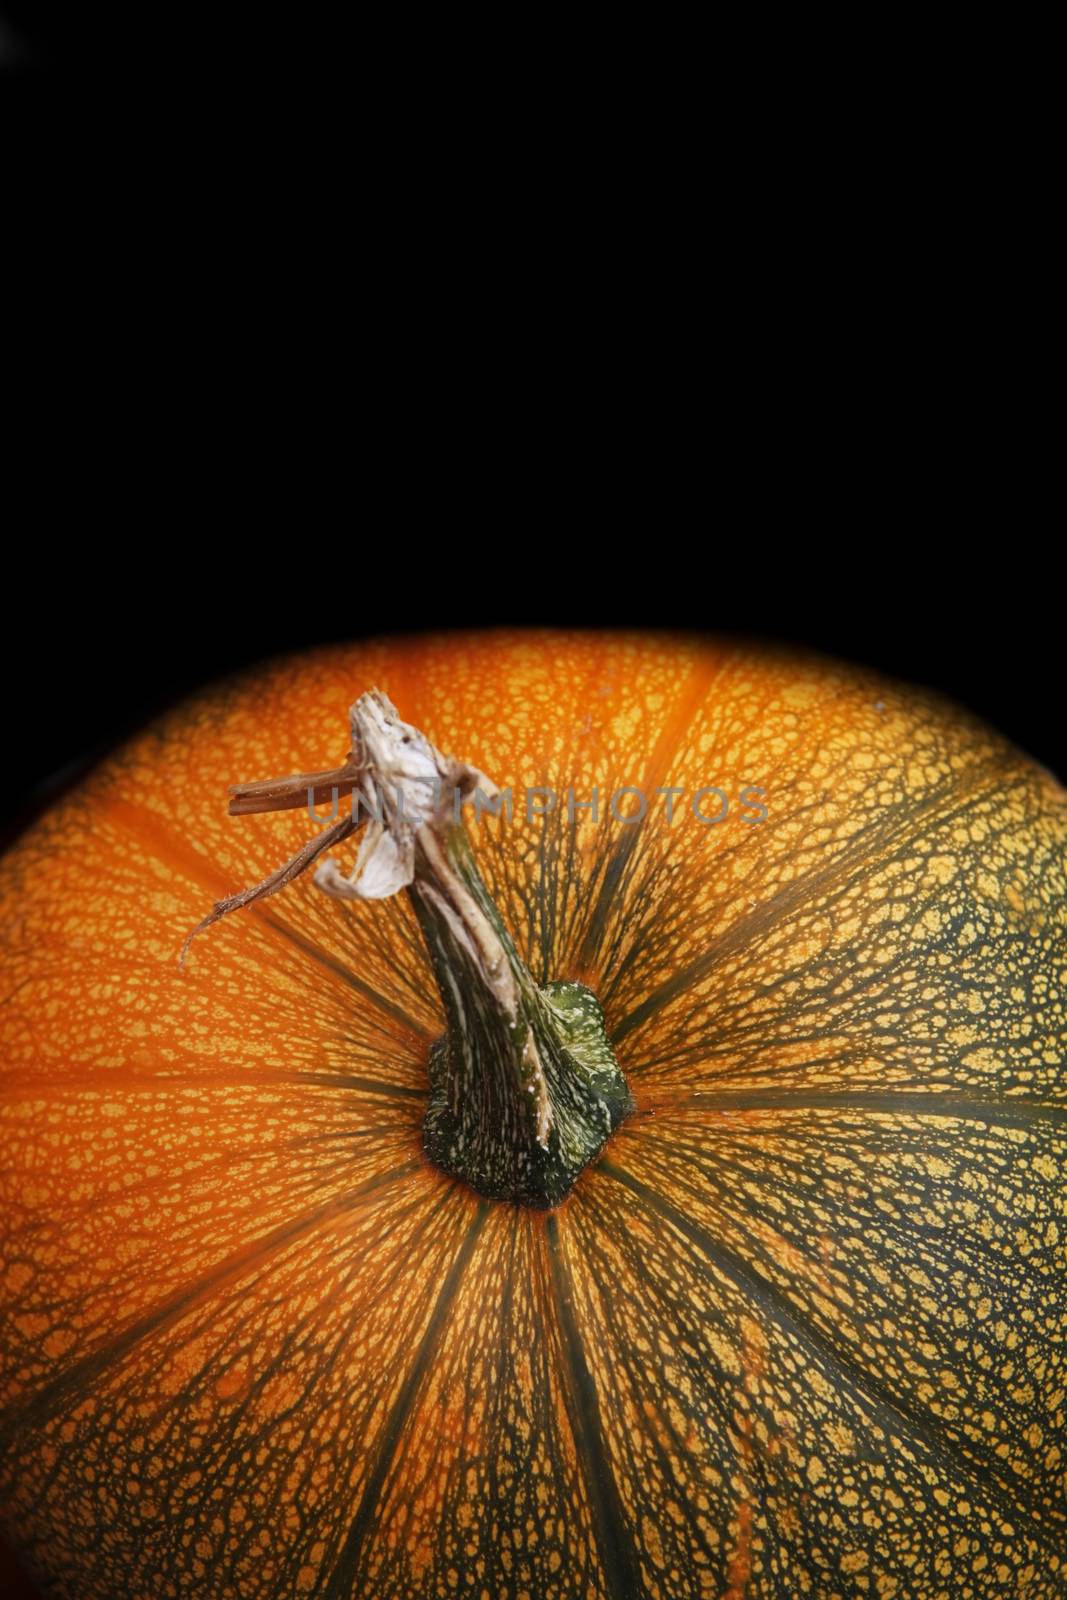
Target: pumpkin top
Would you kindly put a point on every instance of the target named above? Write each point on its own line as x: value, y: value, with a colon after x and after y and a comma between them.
x: 524, y: 1088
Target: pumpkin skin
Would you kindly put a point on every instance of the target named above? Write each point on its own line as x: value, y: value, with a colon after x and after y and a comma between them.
x: 799, y: 1331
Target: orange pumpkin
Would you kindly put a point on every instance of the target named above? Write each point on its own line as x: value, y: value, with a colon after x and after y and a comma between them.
x: 794, y: 1327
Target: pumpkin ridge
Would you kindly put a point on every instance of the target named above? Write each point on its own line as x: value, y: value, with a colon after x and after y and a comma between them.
x: 892, y: 1413
x: 341, y: 1583
x: 308, y: 947
x: 693, y: 692
x: 202, y: 871
x: 859, y: 851
x: 163, y: 1182
x: 646, y: 898
x: 725, y: 1166
x: 618, y: 1558
x: 544, y: 908
x: 981, y: 1272
x: 645, y: 901
x: 231, y: 1269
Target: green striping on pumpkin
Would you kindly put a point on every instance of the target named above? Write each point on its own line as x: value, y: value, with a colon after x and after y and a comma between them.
x: 798, y: 1328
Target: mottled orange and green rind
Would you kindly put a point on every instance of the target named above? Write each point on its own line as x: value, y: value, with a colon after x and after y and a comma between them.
x: 801, y: 1330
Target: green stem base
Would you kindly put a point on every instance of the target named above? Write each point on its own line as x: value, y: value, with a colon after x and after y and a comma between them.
x: 502, y: 1151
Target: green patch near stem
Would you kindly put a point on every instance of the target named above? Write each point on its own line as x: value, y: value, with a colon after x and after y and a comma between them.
x: 525, y: 1090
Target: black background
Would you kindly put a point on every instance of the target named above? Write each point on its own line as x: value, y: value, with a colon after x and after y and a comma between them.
x: 149, y: 617
x: 304, y: 364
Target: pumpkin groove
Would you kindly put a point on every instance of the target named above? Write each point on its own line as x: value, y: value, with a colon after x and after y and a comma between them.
x: 614, y: 1545
x: 344, y: 1576
x: 798, y: 1331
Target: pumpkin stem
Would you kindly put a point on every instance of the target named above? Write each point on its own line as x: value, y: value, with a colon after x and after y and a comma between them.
x: 524, y: 1087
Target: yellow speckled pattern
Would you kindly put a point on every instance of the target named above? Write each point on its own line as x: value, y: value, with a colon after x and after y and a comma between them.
x: 800, y: 1331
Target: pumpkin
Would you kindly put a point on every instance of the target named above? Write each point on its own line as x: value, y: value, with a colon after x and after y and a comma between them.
x: 787, y: 1320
